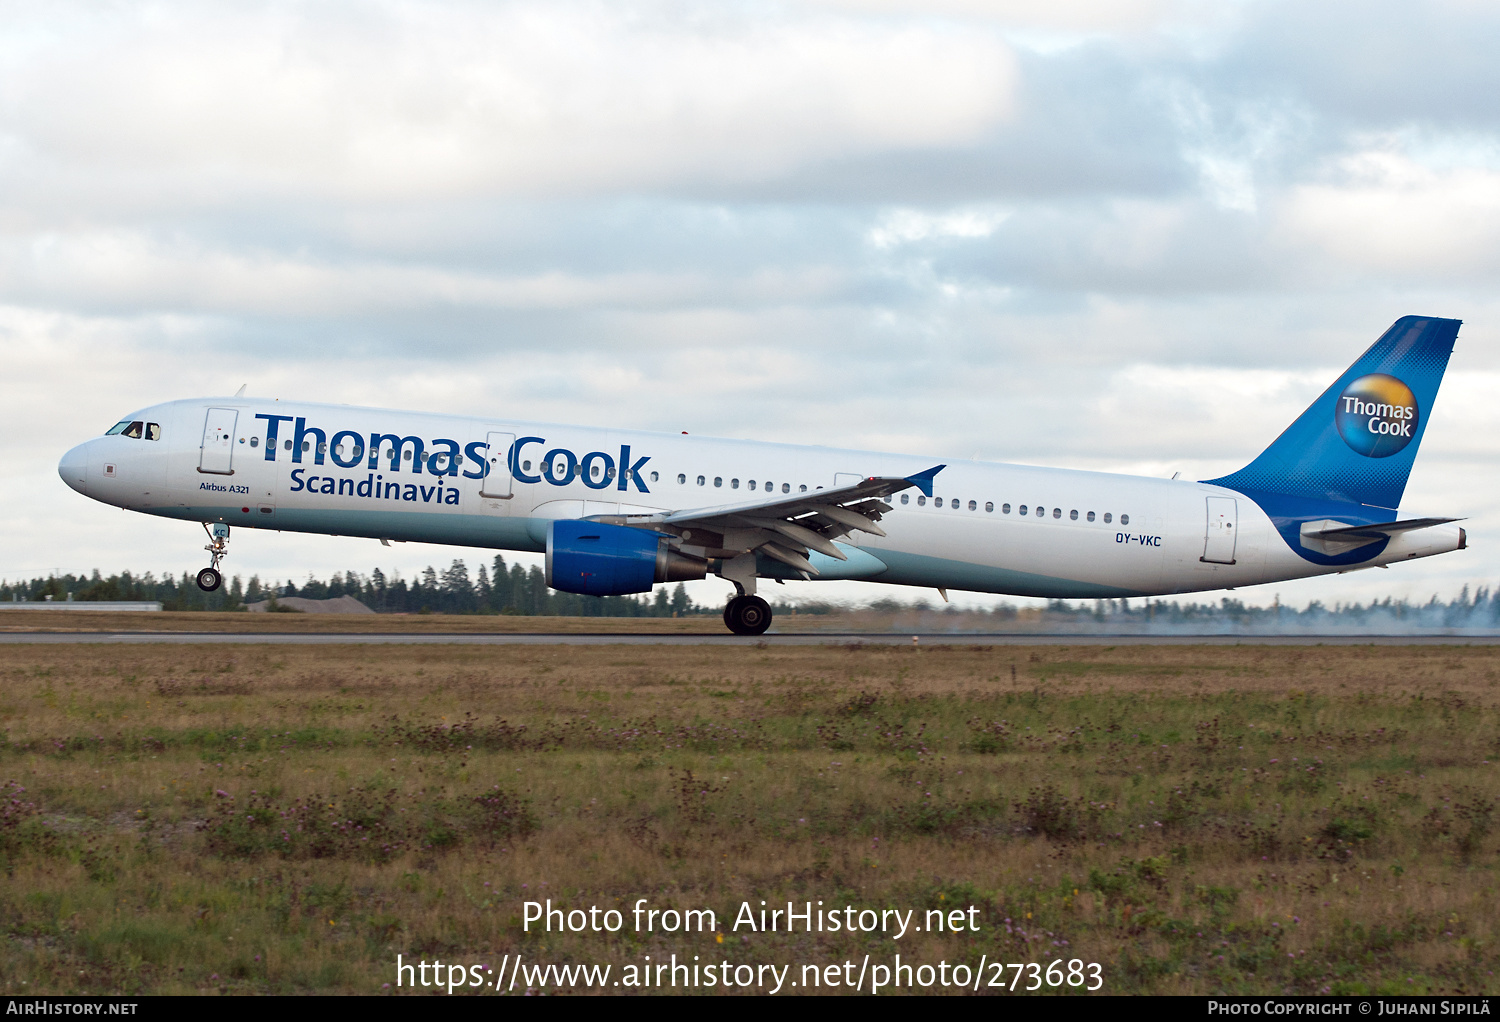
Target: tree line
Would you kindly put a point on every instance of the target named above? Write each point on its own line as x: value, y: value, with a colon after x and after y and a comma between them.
x: 498, y: 588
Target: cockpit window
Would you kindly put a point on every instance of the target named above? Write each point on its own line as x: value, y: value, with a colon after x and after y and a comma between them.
x: 136, y: 429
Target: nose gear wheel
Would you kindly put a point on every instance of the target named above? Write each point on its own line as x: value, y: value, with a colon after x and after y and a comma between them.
x: 211, y: 578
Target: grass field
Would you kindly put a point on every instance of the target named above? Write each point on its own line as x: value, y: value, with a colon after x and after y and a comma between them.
x: 1194, y: 819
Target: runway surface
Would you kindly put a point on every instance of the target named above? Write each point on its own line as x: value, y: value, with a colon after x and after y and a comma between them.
x: 774, y: 639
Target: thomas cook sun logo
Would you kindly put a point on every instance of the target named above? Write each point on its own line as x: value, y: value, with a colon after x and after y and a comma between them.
x: 1377, y: 415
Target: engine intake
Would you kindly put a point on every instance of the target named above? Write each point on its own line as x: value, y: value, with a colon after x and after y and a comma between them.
x: 595, y: 559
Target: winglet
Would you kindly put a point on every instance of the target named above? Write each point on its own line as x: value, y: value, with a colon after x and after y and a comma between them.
x: 923, y: 480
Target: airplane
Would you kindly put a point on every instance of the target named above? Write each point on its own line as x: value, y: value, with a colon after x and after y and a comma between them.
x: 619, y: 511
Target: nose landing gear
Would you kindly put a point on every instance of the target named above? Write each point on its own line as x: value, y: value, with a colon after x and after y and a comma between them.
x: 210, y: 578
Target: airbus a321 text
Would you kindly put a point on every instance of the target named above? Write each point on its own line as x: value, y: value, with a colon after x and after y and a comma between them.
x: 617, y: 511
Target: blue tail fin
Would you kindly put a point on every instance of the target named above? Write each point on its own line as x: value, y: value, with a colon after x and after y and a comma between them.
x: 1357, y: 442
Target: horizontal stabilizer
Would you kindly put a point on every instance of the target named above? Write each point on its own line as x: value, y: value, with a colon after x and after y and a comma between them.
x: 1333, y: 537
x: 1380, y: 530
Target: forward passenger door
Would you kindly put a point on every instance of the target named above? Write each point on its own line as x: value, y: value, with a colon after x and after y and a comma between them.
x: 216, y: 453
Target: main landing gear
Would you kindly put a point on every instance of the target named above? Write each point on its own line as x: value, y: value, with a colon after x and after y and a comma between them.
x: 210, y: 578
x: 747, y: 615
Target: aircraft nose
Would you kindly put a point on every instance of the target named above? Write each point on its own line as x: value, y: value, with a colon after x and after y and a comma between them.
x: 74, y: 468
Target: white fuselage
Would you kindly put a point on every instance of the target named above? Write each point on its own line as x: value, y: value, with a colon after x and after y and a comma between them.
x: 1082, y: 534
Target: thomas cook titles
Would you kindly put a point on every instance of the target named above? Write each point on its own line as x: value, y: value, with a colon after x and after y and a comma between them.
x: 439, y: 457
x: 1380, y: 416
x: 373, y: 486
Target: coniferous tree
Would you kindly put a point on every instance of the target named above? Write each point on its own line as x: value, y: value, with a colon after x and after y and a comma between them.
x: 482, y: 590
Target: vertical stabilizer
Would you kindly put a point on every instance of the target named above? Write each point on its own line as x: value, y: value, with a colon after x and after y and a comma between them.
x: 1356, y: 443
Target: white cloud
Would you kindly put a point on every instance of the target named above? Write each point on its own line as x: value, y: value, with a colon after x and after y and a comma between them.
x: 135, y: 272
x: 1056, y: 16
x: 902, y: 226
x: 1382, y: 211
x: 405, y: 100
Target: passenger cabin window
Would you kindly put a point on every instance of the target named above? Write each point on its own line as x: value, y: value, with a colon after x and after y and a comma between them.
x: 921, y: 501
x: 750, y: 484
x: 700, y: 480
x: 1005, y: 509
x: 803, y: 489
x: 255, y: 441
x: 1057, y: 512
x: 734, y: 484
x: 1022, y: 509
x: 905, y: 498
x: 973, y: 506
x: 681, y: 479
x: 655, y: 476
x: 937, y: 501
x: 1124, y: 519
x: 786, y: 487
x: 1108, y: 518
x: 1073, y: 515
x: 718, y: 480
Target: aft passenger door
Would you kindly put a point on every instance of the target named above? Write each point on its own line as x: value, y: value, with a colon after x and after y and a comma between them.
x: 216, y: 453
x: 1218, y: 544
x: 496, y: 484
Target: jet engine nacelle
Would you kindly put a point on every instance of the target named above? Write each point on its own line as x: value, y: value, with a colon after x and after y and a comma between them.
x: 612, y: 560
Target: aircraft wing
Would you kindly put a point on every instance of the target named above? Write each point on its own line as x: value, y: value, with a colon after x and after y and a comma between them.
x: 783, y: 528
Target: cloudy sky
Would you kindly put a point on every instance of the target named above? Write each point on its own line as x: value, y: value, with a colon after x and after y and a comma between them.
x: 1137, y: 236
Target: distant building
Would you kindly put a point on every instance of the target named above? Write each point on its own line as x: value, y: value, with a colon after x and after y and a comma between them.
x: 83, y: 605
x: 337, y: 605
